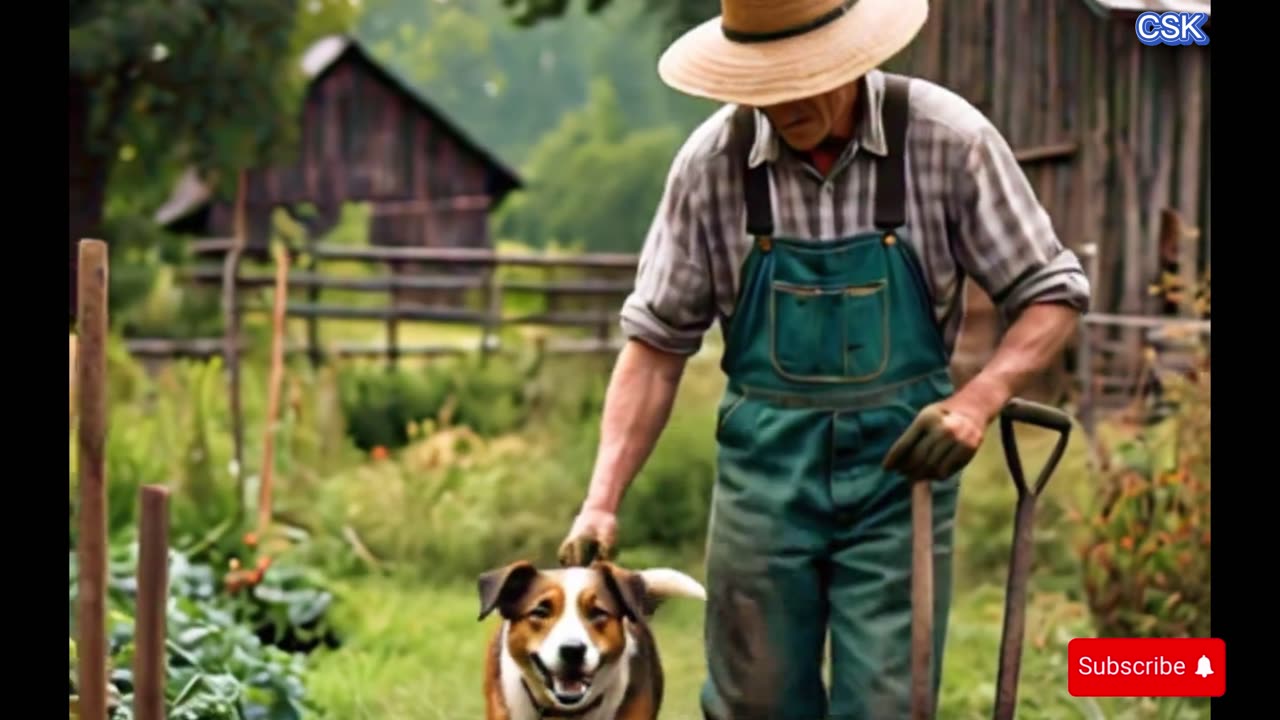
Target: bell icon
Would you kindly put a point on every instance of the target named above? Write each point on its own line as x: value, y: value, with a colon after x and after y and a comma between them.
x: 1203, y: 668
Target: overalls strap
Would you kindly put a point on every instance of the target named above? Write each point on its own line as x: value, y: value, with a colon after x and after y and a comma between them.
x: 891, y: 178
x: 891, y: 181
x: 755, y: 179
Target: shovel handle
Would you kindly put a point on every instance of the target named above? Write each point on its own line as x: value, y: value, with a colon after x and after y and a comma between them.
x: 1020, y: 556
x: 1044, y: 416
x: 921, y: 600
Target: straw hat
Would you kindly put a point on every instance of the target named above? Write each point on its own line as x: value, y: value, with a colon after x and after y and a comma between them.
x: 762, y: 52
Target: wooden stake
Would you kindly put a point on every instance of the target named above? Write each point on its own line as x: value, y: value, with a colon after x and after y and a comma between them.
x: 273, y: 389
x: 91, y: 367
x: 153, y: 590
x: 231, y: 340
x: 72, y: 383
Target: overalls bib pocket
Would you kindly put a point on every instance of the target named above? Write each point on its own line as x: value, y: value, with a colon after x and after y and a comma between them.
x: 829, y: 333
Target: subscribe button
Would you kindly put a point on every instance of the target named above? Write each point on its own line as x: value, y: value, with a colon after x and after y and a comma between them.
x: 1147, y: 667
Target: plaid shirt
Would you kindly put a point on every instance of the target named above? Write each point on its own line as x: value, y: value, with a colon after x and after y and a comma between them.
x: 970, y: 209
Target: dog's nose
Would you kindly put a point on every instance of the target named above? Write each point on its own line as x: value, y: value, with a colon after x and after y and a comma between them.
x: 573, y: 653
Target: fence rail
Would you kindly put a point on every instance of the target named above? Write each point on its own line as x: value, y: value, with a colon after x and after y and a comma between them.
x: 464, y: 286
x: 205, y: 348
x: 478, y: 257
x: 455, y: 286
x: 1112, y: 367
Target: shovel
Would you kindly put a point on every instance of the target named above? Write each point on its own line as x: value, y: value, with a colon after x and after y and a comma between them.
x: 1019, y: 565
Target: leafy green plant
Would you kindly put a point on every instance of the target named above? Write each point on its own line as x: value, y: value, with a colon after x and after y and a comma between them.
x: 234, y: 652
x: 1146, y: 561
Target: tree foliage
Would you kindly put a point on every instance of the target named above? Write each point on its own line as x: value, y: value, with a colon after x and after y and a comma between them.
x: 592, y: 184
x: 507, y: 85
x: 206, y: 82
x: 675, y: 15
x: 576, y: 104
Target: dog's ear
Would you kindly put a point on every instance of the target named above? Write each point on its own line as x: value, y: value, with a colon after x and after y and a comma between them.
x: 501, y: 587
x: 629, y: 590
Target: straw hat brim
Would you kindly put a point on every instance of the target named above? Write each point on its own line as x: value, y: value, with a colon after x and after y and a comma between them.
x: 704, y: 63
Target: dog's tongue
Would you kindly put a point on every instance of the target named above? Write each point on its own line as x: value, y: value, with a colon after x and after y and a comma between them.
x: 570, y: 687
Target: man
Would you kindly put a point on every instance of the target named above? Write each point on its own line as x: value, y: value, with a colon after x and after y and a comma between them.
x: 827, y: 215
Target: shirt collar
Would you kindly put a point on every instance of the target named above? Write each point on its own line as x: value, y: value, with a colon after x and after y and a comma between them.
x: 870, y: 135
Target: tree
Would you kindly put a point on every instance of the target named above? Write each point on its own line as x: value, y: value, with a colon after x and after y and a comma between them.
x: 592, y: 184
x: 676, y: 15
x: 157, y: 83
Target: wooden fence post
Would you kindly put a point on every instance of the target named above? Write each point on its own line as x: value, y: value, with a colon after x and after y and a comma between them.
x: 313, y: 297
x: 149, y: 669
x: 490, y: 332
x: 1084, y: 349
x: 393, y: 318
x: 231, y: 338
x: 91, y: 362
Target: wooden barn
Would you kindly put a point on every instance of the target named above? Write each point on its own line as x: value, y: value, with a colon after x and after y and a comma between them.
x: 366, y: 137
x: 1113, y: 134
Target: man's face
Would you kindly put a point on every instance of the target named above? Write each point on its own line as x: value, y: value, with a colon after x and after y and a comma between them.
x: 806, y: 122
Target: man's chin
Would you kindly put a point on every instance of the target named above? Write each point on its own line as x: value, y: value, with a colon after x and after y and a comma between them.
x: 802, y: 142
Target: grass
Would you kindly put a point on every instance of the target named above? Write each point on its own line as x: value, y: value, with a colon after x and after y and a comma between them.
x: 417, y: 651
x: 436, y: 514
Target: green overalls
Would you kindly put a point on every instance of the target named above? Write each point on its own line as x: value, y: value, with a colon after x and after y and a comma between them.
x: 832, y: 350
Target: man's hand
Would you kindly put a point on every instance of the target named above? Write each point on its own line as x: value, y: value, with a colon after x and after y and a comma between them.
x: 593, y: 537
x: 945, y: 436
x: 939, y: 442
x: 636, y: 408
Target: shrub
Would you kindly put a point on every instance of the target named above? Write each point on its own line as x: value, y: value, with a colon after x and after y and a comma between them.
x: 1147, y: 558
x: 453, y: 502
x: 174, y: 429
x: 448, y: 505
x: 668, y: 503
x: 381, y: 405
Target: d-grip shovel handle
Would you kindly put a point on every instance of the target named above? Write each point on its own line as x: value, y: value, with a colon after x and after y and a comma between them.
x: 1032, y: 413
x: 1020, y: 556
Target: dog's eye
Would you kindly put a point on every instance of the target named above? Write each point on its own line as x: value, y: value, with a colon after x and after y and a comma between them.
x: 542, y: 611
x: 598, y: 615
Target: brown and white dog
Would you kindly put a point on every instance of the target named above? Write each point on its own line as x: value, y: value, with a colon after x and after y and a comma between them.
x: 575, y: 642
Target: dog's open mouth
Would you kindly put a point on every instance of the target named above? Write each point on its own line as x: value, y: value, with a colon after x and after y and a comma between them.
x: 569, y: 688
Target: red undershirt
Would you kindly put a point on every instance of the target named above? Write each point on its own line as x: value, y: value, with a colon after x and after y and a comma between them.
x: 825, y: 155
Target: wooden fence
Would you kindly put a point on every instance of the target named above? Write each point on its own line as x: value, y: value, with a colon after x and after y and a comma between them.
x: 457, y: 286
x: 1119, y: 357
x: 580, y: 296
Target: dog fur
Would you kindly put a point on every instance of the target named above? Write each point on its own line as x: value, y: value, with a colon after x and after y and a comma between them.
x: 580, y: 632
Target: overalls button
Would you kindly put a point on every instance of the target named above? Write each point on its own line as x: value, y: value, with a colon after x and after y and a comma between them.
x: 766, y: 244
x: 889, y: 239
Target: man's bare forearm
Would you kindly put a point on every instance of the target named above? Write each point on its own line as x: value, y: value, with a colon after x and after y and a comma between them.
x: 636, y: 409
x: 1033, y: 341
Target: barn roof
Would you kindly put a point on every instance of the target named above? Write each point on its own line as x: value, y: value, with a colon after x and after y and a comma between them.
x: 191, y: 193
x: 1133, y: 7
x: 325, y: 53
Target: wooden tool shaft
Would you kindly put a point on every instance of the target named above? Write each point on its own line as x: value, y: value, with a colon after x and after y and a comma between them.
x: 922, y: 600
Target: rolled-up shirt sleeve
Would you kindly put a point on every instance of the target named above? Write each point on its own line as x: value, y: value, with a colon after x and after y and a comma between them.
x: 672, y: 305
x: 1006, y: 241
